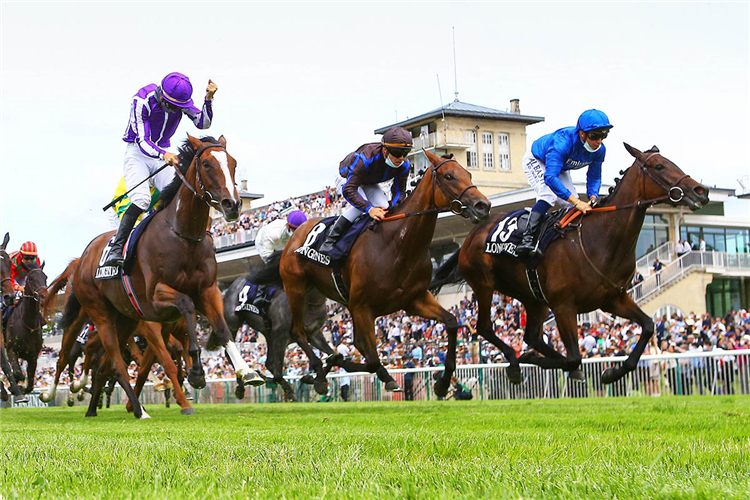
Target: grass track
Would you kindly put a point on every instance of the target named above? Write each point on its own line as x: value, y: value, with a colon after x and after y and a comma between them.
x: 621, y: 448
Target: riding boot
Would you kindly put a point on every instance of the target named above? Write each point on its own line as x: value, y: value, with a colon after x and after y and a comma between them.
x: 528, y: 242
x: 127, y: 223
x: 339, y: 228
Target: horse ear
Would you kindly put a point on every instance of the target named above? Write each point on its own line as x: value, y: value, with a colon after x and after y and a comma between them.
x: 5, y: 241
x: 43, y: 264
x: 633, y: 152
x: 195, y: 143
x: 223, y: 141
x: 432, y: 157
x: 654, y: 149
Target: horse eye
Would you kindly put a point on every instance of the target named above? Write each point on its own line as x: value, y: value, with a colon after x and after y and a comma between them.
x: 659, y: 167
x: 448, y: 177
x: 206, y: 163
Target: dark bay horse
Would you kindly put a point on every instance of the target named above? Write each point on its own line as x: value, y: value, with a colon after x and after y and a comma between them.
x: 388, y: 269
x: 7, y: 292
x: 175, y: 269
x: 279, y: 335
x: 23, y: 333
x: 590, y: 268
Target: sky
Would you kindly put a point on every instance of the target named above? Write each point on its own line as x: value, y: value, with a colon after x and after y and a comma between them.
x: 303, y: 84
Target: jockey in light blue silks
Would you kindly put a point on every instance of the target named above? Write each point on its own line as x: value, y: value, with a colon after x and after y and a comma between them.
x: 155, y: 113
x: 547, y: 167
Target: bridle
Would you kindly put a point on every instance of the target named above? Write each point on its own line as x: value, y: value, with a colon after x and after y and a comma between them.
x: 35, y: 294
x: 456, y: 206
x: 207, y: 198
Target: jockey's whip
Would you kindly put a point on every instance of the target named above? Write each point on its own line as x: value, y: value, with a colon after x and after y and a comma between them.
x: 113, y: 202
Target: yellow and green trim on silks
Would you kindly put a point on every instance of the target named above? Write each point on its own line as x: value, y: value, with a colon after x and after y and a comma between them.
x: 122, y: 205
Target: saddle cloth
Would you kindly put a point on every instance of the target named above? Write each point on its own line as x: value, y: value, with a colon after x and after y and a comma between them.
x: 317, y: 235
x: 108, y: 272
x: 247, y: 296
x: 508, y: 233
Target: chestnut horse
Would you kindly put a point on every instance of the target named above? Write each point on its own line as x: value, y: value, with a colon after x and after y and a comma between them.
x: 7, y: 291
x: 23, y: 333
x: 174, y: 273
x: 591, y: 268
x: 388, y: 269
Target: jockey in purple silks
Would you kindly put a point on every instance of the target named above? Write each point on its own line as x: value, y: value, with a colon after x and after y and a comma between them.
x: 155, y: 113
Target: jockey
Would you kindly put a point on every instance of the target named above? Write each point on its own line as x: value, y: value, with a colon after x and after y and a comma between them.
x: 19, y: 262
x: 155, y: 113
x: 548, y: 165
x: 271, y: 238
x: 362, y: 171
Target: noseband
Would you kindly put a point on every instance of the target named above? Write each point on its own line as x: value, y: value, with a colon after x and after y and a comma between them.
x: 456, y: 206
x: 207, y: 198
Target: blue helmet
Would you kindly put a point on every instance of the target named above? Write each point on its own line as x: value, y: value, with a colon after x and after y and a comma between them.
x: 593, y: 119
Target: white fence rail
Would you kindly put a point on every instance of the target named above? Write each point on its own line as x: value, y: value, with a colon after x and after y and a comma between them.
x: 710, y: 373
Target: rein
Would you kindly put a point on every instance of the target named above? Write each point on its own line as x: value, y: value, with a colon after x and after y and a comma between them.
x: 456, y: 206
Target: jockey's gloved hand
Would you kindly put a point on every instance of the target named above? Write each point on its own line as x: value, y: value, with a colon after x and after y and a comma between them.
x: 582, y: 206
x: 593, y: 200
x: 376, y: 213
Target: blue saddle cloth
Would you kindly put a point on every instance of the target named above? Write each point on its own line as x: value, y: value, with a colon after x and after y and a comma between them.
x: 247, y: 295
x: 340, y: 251
x: 508, y: 233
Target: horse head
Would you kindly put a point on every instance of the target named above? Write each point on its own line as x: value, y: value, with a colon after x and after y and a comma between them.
x: 7, y: 286
x: 455, y: 190
x: 215, y: 170
x: 667, y: 179
x: 36, y: 282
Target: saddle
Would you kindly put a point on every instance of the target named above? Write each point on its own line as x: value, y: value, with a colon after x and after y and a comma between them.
x: 507, y: 234
x: 108, y: 272
x: 317, y: 235
x: 248, y: 296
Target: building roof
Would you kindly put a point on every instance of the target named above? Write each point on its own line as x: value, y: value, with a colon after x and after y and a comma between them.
x: 458, y: 108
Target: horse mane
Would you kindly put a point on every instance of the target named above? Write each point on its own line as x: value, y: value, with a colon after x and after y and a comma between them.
x: 618, y: 180
x: 185, y: 153
x: 419, y: 176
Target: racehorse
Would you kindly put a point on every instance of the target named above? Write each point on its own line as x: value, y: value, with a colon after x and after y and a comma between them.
x: 174, y: 271
x: 279, y: 332
x: 7, y: 291
x: 588, y: 269
x: 388, y: 269
x: 24, y: 330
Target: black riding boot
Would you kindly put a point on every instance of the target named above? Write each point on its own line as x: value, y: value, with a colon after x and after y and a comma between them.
x: 530, y: 235
x: 129, y: 219
x: 339, y: 228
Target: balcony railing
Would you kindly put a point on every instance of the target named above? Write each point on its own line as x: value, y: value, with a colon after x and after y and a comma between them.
x: 446, y: 138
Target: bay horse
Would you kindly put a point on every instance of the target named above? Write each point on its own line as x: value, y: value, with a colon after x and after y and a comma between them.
x: 279, y: 332
x: 8, y: 294
x: 23, y: 333
x: 174, y: 273
x: 388, y: 269
x: 590, y: 268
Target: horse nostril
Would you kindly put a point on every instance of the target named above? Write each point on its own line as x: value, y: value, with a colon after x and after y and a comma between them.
x: 480, y: 207
x: 227, y: 205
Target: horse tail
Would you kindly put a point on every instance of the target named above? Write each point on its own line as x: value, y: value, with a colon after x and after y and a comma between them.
x: 72, y: 308
x: 447, y: 274
x: 57, y: 285
x: 267, y: 273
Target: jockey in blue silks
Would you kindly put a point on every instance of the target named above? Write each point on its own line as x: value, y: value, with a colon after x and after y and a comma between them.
x: 547, y: 167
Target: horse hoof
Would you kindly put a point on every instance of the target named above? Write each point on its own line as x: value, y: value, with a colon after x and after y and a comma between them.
x: 239, y: 392
x: 80, y: 396
x: 197, y: 381
x: 20, y: 399
x: 291, y: 398
x: 514, y: 375
x: 144, y: 415
x: 610, y: 375
x: 188, y: 411
x: 76, y: 386
x: 578, y: 375
x: 90, y: 414
x: 45, y: 397
x: 321, y: 387
x: 253, y: 378
x: 307, y: 379
x: 441, y: 389
x: 70, y: 401
x: 393, y: 386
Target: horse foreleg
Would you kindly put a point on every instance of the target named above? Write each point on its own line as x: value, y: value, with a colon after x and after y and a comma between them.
x: 212, y: 307
x: 153, y: 332
x: 275, y: 363
x: 567, y: 325
x: 484, y: 328
x: 428, y: 307
x: 30, y: 374
x: 100, y: 376
x: 144, y: 368
x: 69, y: 338
x: 625, y: 307
x: 14, y: 389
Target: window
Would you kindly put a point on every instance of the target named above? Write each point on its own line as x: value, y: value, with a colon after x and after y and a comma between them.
x: 503, y: 151
x: 653, y: 234
x: 488, y: 151
x: 470, y: 137
x: 471, y: 159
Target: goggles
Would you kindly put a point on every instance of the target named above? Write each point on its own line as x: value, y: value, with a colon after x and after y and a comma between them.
x: 398, y: 152
x: 595, y: 136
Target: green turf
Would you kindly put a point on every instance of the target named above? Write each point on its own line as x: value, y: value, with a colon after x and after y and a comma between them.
x: 666, y: 447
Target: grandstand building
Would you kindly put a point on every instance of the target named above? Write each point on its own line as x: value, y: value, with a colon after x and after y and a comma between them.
x: 491, y: 144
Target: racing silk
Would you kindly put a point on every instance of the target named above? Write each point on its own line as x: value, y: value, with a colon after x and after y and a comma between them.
x: 18, y: 271
x: 151, y: 127
x: 122, y: 205
x: 271, y: 238
x: 563, y: 150
x: 367, y: 166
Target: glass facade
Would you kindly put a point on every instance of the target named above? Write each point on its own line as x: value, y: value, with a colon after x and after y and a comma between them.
x: 655, y: 232
x: 721, y: 239
x: 724, y: 295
